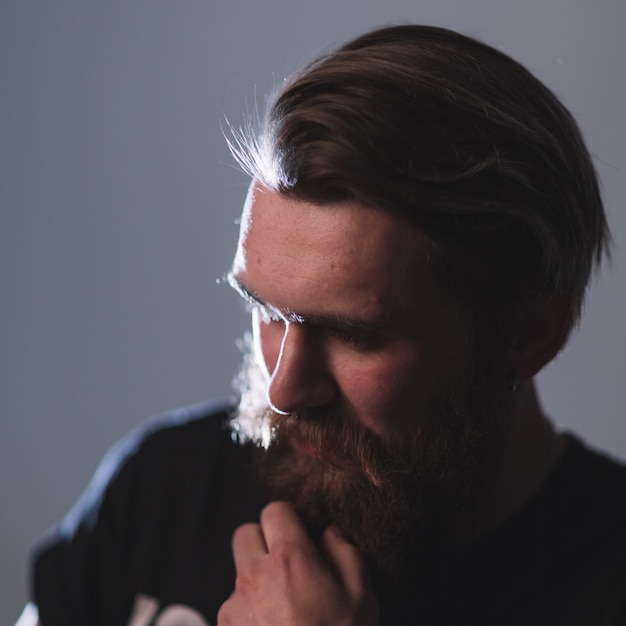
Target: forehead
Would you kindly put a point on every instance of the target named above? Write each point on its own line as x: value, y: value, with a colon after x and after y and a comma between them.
x: 301, y: 256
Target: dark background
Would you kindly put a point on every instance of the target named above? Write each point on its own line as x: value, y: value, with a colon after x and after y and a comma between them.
x: 118, y: 201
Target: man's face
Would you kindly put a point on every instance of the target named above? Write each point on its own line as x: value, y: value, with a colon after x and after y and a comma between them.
x: 380, y: 415
x: 347, y: 312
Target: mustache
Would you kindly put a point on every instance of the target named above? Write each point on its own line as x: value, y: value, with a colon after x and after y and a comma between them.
x: 345, y: 444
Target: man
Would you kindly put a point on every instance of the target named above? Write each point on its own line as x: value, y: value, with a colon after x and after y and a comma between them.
x: 415, y: 246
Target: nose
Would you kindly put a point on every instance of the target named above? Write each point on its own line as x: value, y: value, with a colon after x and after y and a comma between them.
x: 301, y: 377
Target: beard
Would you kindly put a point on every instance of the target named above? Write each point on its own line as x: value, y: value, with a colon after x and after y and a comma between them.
x: 397, y: 498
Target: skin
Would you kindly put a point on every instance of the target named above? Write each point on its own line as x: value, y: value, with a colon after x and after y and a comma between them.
x: 282, y: 578
x: 346, y: 312
x: 348, y: 315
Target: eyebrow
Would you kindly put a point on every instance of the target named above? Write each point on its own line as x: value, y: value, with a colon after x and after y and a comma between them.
x: 336, y: 321
x: 243, y: 290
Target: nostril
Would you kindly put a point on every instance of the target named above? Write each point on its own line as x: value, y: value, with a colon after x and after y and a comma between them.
x: 275, y: 408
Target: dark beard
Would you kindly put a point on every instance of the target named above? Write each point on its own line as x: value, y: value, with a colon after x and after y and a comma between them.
x: 397, y: 500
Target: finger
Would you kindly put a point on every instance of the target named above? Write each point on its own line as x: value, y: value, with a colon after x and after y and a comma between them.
x: 280, y: 523
x: 346, y: 561
x: 234, y: 613
x: 248, y: 544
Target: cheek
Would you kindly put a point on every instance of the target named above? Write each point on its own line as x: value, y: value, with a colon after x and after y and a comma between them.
x: 396, y: 391
x: 385, y: 393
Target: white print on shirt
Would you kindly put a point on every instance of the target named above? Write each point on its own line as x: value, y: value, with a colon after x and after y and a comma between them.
x: 146, y: 613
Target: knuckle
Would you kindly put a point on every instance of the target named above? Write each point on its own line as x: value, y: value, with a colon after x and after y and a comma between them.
x: 247, y: 581
x: 286, y: 565
x: 284, y: 557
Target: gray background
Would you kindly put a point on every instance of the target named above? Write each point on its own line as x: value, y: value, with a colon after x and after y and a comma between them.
x: 118, y: 202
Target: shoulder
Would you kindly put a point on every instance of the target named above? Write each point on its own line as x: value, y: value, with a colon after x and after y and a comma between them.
x: 587, y: 475
x: 589, y: 489
x: 155, y: 521
x: 201, y: 424
x: 585, y: 496
x: 184, y: 444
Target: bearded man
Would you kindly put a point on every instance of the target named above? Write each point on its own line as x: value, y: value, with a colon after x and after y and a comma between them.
x: 422, y: 222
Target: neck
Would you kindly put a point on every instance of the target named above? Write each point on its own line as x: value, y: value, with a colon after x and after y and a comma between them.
x: 530, y: 450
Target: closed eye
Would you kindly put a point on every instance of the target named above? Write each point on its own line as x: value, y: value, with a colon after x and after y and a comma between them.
x: 356, y: 339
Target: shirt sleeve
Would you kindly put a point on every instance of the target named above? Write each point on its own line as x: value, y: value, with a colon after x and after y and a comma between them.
x: 82, y: 570
x: 86, y: 550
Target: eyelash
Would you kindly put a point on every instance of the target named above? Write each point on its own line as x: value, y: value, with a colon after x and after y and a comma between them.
x: 354, y: 340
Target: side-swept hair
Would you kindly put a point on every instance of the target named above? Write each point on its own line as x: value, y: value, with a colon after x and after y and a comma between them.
x: 454, y: 136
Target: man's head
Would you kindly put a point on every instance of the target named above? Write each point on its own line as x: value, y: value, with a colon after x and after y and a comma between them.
x: 457, y: 137
x: 421, y: 227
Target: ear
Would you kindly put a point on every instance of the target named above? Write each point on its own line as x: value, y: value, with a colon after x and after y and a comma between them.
x: 543, y: 324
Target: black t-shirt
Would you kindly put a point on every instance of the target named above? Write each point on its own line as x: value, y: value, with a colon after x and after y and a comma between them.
x: 148, y: 543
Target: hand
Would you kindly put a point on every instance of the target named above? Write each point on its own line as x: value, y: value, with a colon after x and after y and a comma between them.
x: 282, y: 579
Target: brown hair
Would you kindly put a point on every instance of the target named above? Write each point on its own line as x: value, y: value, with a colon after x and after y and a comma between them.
x: 456, y: 137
